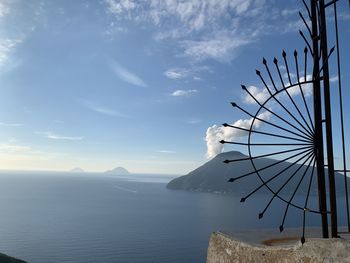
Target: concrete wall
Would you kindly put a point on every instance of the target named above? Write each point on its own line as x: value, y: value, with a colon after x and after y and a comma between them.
x: 225, y: 249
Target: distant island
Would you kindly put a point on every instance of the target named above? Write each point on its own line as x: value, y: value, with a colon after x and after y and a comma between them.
x: 118, y: 171
x: 213, y: 177
x: 77, y: 170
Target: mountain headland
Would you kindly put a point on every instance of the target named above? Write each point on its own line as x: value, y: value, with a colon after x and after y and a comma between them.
x: 213, y: 176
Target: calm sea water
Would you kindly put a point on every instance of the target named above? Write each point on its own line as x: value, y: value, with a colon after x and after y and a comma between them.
x: 61, y: 218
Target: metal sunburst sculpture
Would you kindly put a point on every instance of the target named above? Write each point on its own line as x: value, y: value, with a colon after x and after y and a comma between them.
x: 286, y: 121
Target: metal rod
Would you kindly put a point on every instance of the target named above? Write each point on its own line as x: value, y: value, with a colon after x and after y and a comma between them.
x: 318, y: 124
x: 327, y: 104
x: 341, y: 114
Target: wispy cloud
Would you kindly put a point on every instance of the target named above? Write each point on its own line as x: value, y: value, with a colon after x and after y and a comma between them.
x: 4, y: 9
x: 206, y: 29
x: 180, y: 92
x: 181, y: 73
x: 11, y: 124
x: 127, y: 76
x: 7, y: 46
x: 54, y: 136
x: 176, y: 73
x: 221, y: 49
x: 102, y: 110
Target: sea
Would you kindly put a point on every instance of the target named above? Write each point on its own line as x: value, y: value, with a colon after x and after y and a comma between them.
x: 82, y: 218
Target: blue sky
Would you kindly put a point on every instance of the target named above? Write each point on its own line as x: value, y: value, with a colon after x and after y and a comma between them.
x: 99, y: 84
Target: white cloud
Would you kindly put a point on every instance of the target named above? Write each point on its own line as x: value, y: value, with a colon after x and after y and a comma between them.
x: 11, y: 124
x: 176, y: 73
x: 334, y: 78
x: 55, y: 136
x: 216, y: 133
x: 180, y: 92
x: 261, y: 94
x: 127, y: 76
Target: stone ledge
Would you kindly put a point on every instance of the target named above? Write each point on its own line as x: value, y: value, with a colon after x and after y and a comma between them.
x: 225, y: 249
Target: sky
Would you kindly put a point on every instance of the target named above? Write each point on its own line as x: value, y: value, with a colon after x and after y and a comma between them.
x: 140, y: 84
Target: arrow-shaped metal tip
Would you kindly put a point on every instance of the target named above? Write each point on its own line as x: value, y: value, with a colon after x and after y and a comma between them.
x: 284, y: 54
x: 225, y: 124
x: 226, y: 161
x: 234, y: 104
x: 295, y: 53
x: 302, y: 240
x: 264, y: 61
x: 242, y: 199
x: 222, y: 141
x: 275, y: 60
x: 281, y: 228
x: 243, y: 87
x: 257, y: 72
x: 231, y: 180
x: 261, y: 215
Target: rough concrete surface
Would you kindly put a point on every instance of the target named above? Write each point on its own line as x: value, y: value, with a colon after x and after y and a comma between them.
x: 225, y: 249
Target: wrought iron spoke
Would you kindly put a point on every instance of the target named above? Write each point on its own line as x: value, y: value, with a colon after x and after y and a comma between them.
x: 267, y: 122
x: 268, y: 154
x: 290, y: 97
x: 266, y: 144
x: 283, y: 107
x: 265, y: 133
x: 266, y: 167
x: 274, y: 177
x: 275, y: 114
x: 301, y: 90
x: 268, y: 71
x: 306, y: 201
x: 295, y: 191
x: 309, y: 155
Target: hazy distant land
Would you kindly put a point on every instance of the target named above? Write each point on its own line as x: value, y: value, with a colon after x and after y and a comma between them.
x: 77, y: 170
x: 118, y: 171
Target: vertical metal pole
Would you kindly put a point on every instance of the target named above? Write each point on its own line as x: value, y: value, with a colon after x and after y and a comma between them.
x: 318, y: 139
x: 328, y: 120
